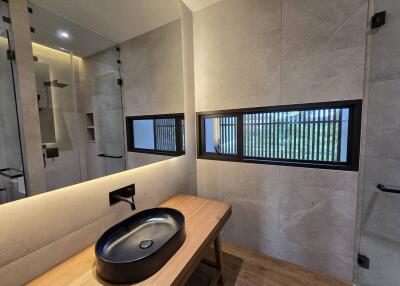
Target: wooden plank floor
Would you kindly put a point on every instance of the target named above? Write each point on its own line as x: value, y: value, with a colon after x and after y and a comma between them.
x: 247, y: 268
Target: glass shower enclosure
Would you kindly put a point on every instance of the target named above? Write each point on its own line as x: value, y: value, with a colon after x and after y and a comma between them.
x: 379, y: 250
x: 110, y: 116
x: 12, y: 182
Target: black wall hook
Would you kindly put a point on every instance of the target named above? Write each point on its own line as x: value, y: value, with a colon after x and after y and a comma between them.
x: 378, y: 20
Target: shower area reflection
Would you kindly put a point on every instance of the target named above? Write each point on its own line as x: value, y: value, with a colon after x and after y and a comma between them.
x: 101, y: 114
x: 12, y: 184
x: 57, y: 113
x: 73, y: 124
x: 81, y: 115
x: 79, y: 100
x: 109, y: 109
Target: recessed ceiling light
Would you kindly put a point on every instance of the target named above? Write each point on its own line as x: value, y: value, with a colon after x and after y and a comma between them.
x: 63, y: 35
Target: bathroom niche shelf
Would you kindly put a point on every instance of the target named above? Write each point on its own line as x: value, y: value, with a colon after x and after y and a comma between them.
x: 90, y: 131
x: 89, y: 119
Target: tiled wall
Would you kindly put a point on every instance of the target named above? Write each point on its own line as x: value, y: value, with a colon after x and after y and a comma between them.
x: 268, y: 52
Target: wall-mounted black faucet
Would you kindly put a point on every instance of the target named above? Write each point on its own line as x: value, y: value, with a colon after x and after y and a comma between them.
x: 125, y: 194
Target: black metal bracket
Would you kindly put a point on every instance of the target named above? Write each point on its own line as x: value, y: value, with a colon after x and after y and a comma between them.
x: 3, y: 172
x: 363, y: 261
x: 10, y: 55
x: 6, y: 19
x: 378, y: 20
x: 109, y: 156
x: 387, y: 190
x: 30, y: 10
x: 119, y: 81
x: 32, y: 29
x: 55, y: 83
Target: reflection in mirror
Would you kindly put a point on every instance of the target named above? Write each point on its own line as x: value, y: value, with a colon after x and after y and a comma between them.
x: 156, y: 134
x: 90, y: 78
x: 56, y: 102
x: 45, y: 101
x: 12, y: 182
x: 153, y: 81
x: 100, y: 101
x: 144, y: 134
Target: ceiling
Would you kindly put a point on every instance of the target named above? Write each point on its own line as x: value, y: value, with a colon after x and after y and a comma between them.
x: 95, y: 25
x: 116, y: 20
x: 48, y: 27
x: 196, y: 5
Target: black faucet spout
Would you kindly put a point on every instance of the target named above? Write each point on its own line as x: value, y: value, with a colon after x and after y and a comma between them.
x: 125, y: 194
x: 129, y: 200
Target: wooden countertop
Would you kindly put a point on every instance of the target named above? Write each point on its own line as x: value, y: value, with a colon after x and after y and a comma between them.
x: 204, y: 219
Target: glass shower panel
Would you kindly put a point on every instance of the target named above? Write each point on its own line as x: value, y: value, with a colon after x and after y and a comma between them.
x: 58, y: 116
x: 380, y: 223
x: 110, y: 122
x: 12, y: 182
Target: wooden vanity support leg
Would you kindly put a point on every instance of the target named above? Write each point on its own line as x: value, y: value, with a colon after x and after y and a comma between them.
x: 218, y: 257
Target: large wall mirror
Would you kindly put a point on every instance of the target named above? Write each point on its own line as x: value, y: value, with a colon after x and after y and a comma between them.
x: 101, y: 86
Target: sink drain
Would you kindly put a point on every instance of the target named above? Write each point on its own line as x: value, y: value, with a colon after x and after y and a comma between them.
x: 145, y: 244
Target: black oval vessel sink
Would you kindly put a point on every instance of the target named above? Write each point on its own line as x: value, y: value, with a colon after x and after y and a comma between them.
x: 139, y: 246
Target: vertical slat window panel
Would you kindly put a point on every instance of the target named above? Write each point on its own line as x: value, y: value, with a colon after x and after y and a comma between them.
x: 219, y: 143
x: 335, y: 134
x: 183, y: 135
x: 270, y: 136
x: 165, y: 134
x: 317, y: 135
x: 263, y: 135
x: 258, y: 135
x: 252, y: 145
x: 296, y: 136
x: 304, y: 135
x: 223, y: 136
x: 273, y: 135
x: 290, y: 136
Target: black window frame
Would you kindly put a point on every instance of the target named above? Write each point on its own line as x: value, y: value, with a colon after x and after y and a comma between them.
x: 353, y: 143
x: 179, y: 118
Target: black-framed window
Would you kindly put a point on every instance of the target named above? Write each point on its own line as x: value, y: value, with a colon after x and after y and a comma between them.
x: 317, y: 135
x: 161, y: 134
